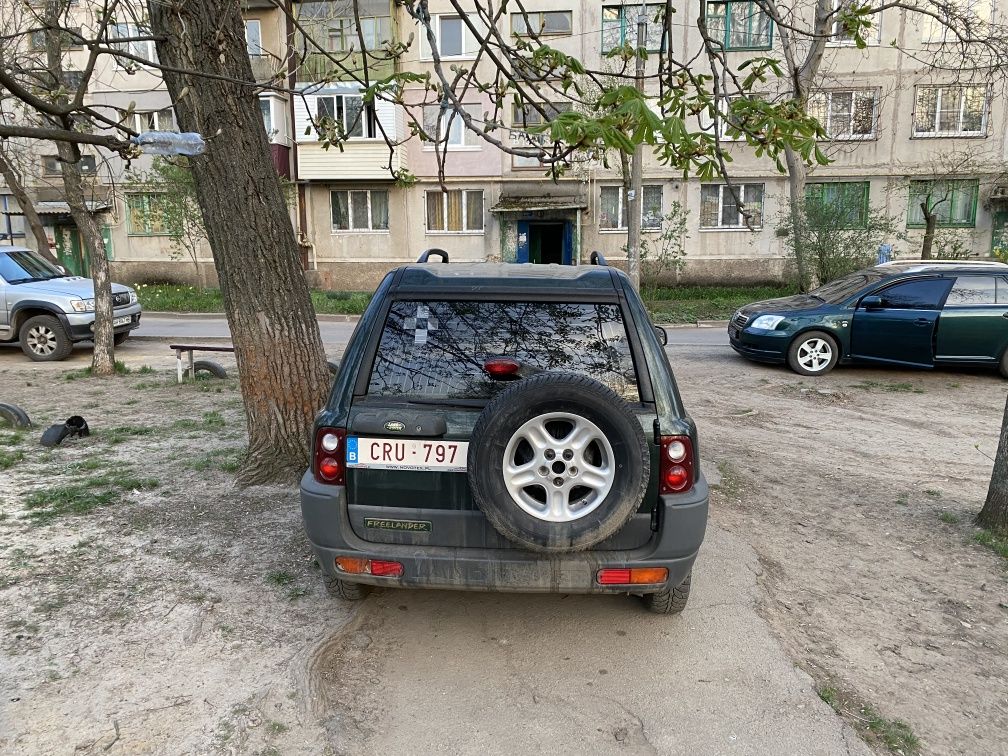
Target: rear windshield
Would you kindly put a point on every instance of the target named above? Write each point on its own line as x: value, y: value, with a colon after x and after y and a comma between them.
x: 437, y: 350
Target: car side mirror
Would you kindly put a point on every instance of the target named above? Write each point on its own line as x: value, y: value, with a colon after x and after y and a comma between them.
x: 871, y: 303
x: 662, y: 335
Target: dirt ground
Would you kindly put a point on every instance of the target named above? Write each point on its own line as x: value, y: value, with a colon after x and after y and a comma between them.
x: 158, y: 599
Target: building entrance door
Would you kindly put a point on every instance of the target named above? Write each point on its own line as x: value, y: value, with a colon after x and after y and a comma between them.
x: 545, y: 242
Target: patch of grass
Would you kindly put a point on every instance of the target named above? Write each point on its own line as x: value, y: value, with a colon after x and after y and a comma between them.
x: 176, y: 298
x: 10, y: 458
x: 688, y: 304
x: 293, y: 594
x: 933, y: 493
x: 949, y: 518
x: 83, y: 497
x: 11, y: 439
x: 120, y: 369
x: 731, y: 480
x: 227, y: 460
x: 894, y: 734
x: 280, y: 577
x: 994, y: 542
x: 276, y: 728
x: 122, y: 433
x: 903, y: 500
x: 213, y: 420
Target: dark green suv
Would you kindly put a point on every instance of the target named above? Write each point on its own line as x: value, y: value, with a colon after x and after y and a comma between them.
x: 511, y: 428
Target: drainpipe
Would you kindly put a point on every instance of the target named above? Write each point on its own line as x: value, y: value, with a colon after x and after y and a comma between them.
x: 291, y: 62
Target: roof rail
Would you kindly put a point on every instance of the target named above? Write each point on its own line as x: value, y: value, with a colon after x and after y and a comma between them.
x: 597, y: 258
x: 425, y: 255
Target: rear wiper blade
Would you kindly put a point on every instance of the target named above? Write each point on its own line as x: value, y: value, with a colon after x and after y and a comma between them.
x: 448, y: 402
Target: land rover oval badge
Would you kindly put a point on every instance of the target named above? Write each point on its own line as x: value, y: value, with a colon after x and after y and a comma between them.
x: 395, y: 425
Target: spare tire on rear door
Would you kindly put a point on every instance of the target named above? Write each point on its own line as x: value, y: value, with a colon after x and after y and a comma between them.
x: 558, y: 462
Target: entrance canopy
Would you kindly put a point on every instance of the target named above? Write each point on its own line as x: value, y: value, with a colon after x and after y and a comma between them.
x: 538, y: 204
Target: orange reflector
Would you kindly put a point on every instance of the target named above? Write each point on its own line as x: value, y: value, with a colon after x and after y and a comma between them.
x: 353, y: 565
x: 634, y: 576
x: 376, y: 567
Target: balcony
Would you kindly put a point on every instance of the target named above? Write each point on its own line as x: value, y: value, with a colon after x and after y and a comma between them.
x: 266, y: 67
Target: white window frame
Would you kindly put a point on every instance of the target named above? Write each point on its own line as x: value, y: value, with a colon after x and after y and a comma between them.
x: 849, y: 136
x: 258, y: 48
x: 470, y: 141
x: 934, y: 32
x: 741, y: 189
x: 537, y: 18
x: 981, y: 133
x: 369, y: 117
x: 465, y: 214
x: 90, y: 170
x: 836, y: 29
x: 351, y: 229
x: 427, y: 54
x: 620, y: 210
x: 139, y: 117
x: 133, y: 48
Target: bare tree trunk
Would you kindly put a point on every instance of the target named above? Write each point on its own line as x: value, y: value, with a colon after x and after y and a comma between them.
x: 281, y: 361
x: 15, y: 183
x: 797, y: 175
x: 103, y: 356
x: 994, y: 515
x: 930, y: 223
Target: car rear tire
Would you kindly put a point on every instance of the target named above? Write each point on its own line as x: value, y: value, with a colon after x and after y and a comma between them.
x: 119, y: 338
x: 345, y: 590
x: 44, y: 340
x: 813, y: 353
x: 671, y: 601
x: 1004, y: 364
x: 11, y: 414
x: 558, y: 462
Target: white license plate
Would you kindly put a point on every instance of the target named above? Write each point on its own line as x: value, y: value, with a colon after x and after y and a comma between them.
x: 126, y: 320
x: 407, y: 454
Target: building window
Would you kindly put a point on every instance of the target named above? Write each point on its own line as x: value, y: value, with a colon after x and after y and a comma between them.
x: 143, y: 49
x: 70, y: 39
x: 529, y: 117
x: 941, y: 30
x: 619, y: 26
x: 53, y: 166
x: 155, y: 120
x: 357, y: 119
x: 453, y: 36
x: 359, y: 209
x: 145, y: 214
x: 719, y: 208
x: 266, y: 109
x: 953, y: 202
x: 459, y: 210
x: 330, y: 25
x: 614, y: 209
x: 738, y: 25
x: 440, y: 123
x: 845, y: 114
x: 542, y: 24
x: 842, y: 36
x: 253, y: 38
x: 847, y: 201
x: 950, y: 111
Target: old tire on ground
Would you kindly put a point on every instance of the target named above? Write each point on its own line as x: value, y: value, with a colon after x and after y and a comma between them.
x: 43, y: 339
x: 119, y: 338
x: 209, y: 366
x: 558, y: 462
x: 813, y: 353
x: 344, y: 590
x: 671, y: 601
x: 11, y: 414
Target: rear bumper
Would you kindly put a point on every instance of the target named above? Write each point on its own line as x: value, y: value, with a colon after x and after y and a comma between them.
x: 682, y: 518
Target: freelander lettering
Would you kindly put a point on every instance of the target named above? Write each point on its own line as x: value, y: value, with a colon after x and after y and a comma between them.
x: 411, y: 525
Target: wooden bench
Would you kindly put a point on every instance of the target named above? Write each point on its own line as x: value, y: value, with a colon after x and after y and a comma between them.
x: 190, y: 348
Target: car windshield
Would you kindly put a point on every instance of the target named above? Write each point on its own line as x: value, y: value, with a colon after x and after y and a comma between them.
x: 837, y: 291
x: 22, y: 266
x: 437, y: 350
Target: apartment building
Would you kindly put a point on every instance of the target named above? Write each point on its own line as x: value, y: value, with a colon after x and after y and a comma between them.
x: 892, y: 125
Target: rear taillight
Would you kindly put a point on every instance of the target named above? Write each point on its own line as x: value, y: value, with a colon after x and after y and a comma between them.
x: 631, y: 576
x: 330, y: 456
x: 375, y: 567
x: 677, y: 464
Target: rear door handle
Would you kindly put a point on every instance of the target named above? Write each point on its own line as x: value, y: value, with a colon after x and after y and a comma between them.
x: 922, y: 322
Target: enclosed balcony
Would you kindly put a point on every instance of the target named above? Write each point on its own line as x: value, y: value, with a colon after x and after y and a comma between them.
x: 334, y: 34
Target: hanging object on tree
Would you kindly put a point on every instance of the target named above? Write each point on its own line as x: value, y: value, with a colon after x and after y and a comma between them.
x: 187, y: 143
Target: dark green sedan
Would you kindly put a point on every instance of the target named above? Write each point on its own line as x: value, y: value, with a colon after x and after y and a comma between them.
x: 911, y: 313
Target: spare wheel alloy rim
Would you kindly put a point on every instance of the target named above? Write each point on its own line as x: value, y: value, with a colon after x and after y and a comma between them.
x: 815, y: 354
x: 42, y: 340
x: 559, y: 467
